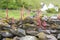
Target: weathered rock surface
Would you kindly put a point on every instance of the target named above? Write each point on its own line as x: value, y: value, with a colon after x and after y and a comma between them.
x: 29, y: 38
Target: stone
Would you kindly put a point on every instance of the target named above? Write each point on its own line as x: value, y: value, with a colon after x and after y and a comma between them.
x: 6, y: 34
x: 42, y: 36
x: 16, y: 38
x: 29, y: 38
x: 18, y: 32
x: 33, y: 33
x: 6, y: 39
x: 58, y: 37
x: 51, y: 37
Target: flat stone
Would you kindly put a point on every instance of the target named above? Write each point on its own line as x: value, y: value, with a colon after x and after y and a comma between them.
x: 6, y: 34
x: 34, y: 33
x: 29, y: 38
x: 18, y: 32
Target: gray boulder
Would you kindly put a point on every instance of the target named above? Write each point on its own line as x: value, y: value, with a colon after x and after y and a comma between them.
x: 29, y: 38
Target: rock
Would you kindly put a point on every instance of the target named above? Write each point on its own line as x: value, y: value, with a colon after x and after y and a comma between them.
x: 28, y: 20
x: 21, y: 31
x: 42, y: 36
x: 16, y: 38
x: 51, y: 37
x: 6, y: 28
x: 53, y: 31
x: 6, y: 39
x: 6, y: 34
x: 53, y: 26
x: 58, y: 37
x: 58, y: 28
x: 47, y: 31
x: 29, y: 38
x: 45, y: 18
x: 33, y: 33
x: 1, y: 36
x: 4, y: 25
x: 28, y: 26
x: 18, y: 32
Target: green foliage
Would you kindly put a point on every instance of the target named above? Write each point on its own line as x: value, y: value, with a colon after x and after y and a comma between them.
x: 15, y: 4
x: 59, y: 10
x: 12, y: 4
x: 3, y: 4
x: 51, y: 10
